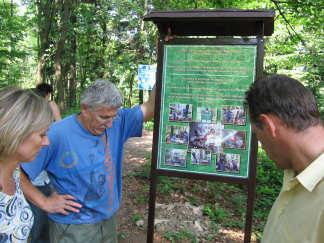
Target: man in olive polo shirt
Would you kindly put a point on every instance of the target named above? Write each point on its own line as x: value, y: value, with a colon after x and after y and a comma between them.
x: 285, y: 119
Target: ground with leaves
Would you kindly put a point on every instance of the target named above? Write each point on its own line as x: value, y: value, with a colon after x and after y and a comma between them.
x: 222, y: 206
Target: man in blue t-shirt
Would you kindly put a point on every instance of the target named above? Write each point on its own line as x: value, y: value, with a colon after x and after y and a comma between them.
x: 84, y: 163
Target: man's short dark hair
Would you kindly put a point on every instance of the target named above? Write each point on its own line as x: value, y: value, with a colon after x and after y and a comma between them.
x: 44, y: 89
x: 284, y: 97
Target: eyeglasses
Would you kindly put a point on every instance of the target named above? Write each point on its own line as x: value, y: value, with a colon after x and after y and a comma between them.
x: 105, y: 119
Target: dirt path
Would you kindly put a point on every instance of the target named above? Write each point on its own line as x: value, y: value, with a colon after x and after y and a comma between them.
x: 135, y: 151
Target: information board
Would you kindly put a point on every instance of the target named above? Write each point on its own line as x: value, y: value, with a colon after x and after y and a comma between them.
x: 146, y: 76
x: 204, y: 127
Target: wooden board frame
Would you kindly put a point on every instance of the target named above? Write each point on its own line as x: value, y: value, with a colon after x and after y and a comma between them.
x: 250, y: 181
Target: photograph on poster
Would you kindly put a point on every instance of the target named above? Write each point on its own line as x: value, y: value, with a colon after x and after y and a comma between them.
x: 180, y: 112
x: 177, y: 134
x: 206, y: 114
x: 200, y: 157
x: 233, y: 139
x: 205, y: 136
x: 175, y: 157
x: 228, y: 163
x: 233, y: 115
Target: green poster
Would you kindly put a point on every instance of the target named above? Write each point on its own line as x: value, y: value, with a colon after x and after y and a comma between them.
x: 204, y: 127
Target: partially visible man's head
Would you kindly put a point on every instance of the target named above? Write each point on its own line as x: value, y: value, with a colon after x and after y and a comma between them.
x: 99, y: 106
x: 43, y: 89
x: 285, y: 98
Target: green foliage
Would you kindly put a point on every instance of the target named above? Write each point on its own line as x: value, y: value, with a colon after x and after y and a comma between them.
x: 166, y: 184
x: 121, y: 235
x: 180, y: 236
x: 214, y: 231
x: 238, y: 201
x: 193, y: 200
x: 136, y: 217
x: 13, y: 49
x: 141, y: 198
x: 143, y: 172
x: 70, y: 111
x: 268, y: 174
x: 109, y: 39
x: 295, y: 47
x: 215, y: 212
x: 269, y: 183
x: 149, y: 125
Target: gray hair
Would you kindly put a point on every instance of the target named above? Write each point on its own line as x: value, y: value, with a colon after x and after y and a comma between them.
x: 22, y: 112
x: 101, y: 93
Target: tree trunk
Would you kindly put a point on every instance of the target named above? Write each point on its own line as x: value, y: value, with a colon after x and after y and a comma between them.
x: 131, y: 82
x: 101, y: 13
x: 45, y: 12
x: 72, y: 76
x: 58, y: 54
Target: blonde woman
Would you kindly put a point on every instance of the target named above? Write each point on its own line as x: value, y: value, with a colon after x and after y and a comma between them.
x: 24, y: 120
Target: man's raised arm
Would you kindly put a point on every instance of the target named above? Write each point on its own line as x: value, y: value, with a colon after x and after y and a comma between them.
x: 148, y: 106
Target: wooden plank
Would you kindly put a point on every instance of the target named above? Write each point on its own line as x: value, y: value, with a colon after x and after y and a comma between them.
x: 213, y: 22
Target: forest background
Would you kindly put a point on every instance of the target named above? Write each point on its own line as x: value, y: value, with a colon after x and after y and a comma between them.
x: 70, y: 43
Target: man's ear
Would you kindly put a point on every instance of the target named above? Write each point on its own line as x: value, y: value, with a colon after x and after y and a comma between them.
x: 84, y: 108
x: 270, y: 124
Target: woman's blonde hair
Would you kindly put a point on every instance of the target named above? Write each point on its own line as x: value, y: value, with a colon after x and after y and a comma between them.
x: 22, y: 112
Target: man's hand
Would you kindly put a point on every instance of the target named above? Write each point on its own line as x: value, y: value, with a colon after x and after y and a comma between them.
x: 62, y: 204
x: 55, y: 203
x: 169, y: 35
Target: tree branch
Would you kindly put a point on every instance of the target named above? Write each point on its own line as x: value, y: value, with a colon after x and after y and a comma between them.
x: 287, y: 22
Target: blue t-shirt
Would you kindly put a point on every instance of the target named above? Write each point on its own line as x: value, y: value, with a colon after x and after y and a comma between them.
x: 86, y: 166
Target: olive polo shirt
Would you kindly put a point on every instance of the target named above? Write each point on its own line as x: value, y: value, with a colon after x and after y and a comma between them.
x: 297, y: 216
